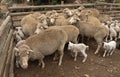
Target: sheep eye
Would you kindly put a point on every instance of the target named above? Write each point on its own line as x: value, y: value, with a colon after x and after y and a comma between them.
x: 41, y: 27
x: 27, y: 53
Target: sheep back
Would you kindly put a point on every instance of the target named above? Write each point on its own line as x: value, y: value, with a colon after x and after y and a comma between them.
x: 48, y: 41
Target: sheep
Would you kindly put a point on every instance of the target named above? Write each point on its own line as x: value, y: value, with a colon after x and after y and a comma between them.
x: 109, y: 48
x: 70, y: 30
x: 61, y: 20
x: 37, y: 46
x: 104, y: 18
x: 116, y: 27
x: 90, y: 30
x: 68, y: 12
x: 113, y: 33
x: 88, y: 17
x: 76, y: 48
x: 29, y: 24
x: 18, y: 34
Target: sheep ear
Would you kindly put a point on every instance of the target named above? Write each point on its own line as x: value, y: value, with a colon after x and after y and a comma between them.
x: 70, y: 42
x: 16, y: 51
x: 30, y: 50
x: 78, y: 19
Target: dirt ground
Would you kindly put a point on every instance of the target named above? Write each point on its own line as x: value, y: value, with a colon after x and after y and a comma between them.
x: 95, y: 66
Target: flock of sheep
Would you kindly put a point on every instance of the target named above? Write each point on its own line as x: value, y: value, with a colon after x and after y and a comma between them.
x: 44, y: 34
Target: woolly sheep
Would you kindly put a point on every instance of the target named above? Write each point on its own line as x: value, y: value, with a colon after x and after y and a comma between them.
x: 88, y: 29
x: 76, y: 48
x: 29, y: 24
x: 88, y: 17
x: 40, y: 45
x: 18, y: 34
x: 71, y: 31
x: 113, y: 33
x: 109, y: 48
x: 61, y: 20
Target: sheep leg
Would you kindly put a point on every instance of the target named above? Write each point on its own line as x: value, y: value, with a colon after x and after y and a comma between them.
x: 98, y: 48
x: 55, y: 56
x: 72, y: 54
x: 108, y: 54
x: 75, y: 41
x: 106, y: 38
x: 82, y: 38
x: 111, y: 37
x: 111, y: 52
x: 104, y: 53
x: 42, y: 62
x: 85, y: 56
x: 75, y: 58
x: 61, y: 54
x: 119, y: 35
x: 17, y: 63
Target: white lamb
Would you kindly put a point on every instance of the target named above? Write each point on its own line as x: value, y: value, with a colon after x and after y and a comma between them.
x: 75, y: 48
x: 18, y: 34
x: 113, y: 33
x: 109, y: 48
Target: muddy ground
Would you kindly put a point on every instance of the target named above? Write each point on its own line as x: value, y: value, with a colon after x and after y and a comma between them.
x: 95, y: 66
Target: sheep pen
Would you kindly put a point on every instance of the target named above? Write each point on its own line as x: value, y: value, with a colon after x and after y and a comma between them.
x: 95, y: 66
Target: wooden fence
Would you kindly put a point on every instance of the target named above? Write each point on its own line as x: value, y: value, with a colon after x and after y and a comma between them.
x: 6, y: 30
x: 6, y: 48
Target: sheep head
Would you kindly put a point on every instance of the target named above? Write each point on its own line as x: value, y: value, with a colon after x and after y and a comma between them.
x: 23, y: 53
x: 40, y: 28
x: 68, y: 12
x: 74, y: 19
x: 43, y: 19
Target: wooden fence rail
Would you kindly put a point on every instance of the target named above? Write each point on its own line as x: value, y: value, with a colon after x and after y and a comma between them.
x: 5, y: 46
x: 6, y: 37
x: 106, y: 8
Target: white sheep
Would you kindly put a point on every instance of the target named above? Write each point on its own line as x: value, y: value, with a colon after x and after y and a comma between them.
x: 113, y: 33
x: 76, y: 48
x: 109, y: 48
x: 18, y: 33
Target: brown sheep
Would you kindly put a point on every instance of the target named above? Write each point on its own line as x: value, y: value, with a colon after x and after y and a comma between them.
x: 88, y: 29
x: 88, y: 17
x: 29, y: 24
x: 61, y: 20
x: 104, y: 18
x: 36, y: 47
x: 71, y: 31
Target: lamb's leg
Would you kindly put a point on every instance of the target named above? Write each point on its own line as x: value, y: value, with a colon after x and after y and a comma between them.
x: 85, y: 56
x: 75, y: 58
x: 98, y: 48
x: 108, y: 54
x: 111, y: 52
x: 104, y: 53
